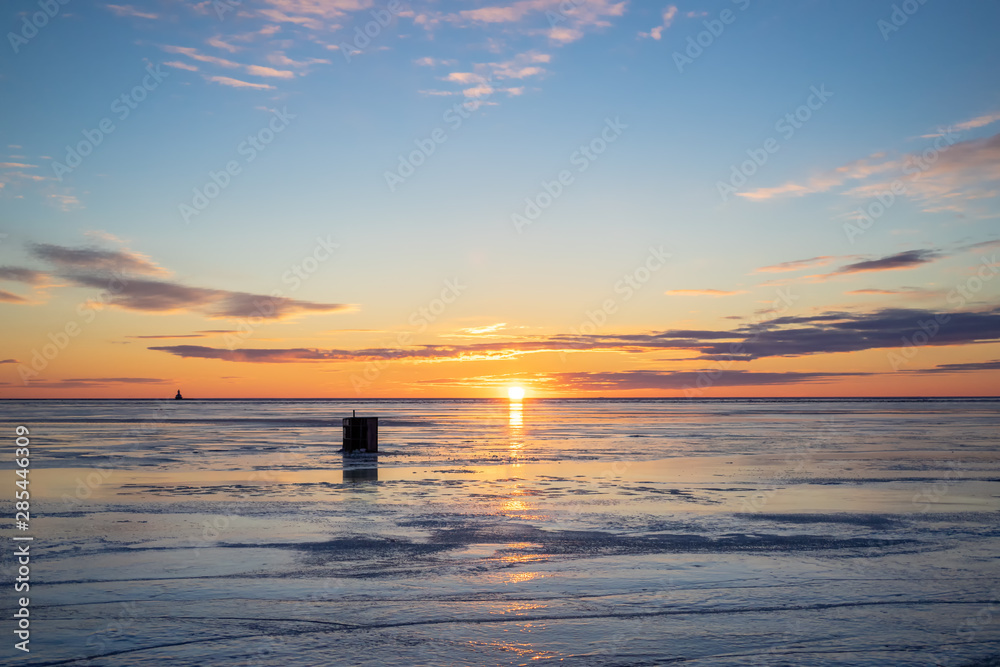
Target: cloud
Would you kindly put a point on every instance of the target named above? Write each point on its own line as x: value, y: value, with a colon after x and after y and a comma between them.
x: 902, y: 291
x: 129, y: 10
x: 96, y: 259
x: 568, y: 21
x: 826, y: 333
x: 176, y: 64
x: 17, y: 165
x: 965, y: 367
x: 9, y: 297
x: 22, y: 275
x: 236, y: 83
x: 857, y: 170
x: 481, y: 90
x: 966, y: 171
x: 427, y: 61
x: 488, y: 329
x: 66, y: 202
x: 703, y: 292
x: 982, y: 245
x: 89, y: 267
x: 668, y: 18
x: 852, y: 332
x: 295, y: 355
x: 194, y: 54
x: 84, y: 383
x: 797, y: 265
x: 163, y: 296
x: 464, y: 77
x: 901, y: 260
x: 309, y: 12
x: 977, y: 122
x: 9, y: 361
x: 253, y: 70
x: 521, y: 66
x: 220, y: 43
x: 204, y: 333
x: 279, y: 58
x: 257, y: 70
x: 946, y: 178
x: 654, y: 379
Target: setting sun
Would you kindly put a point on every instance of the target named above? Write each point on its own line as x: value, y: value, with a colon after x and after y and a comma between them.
x: 515, y: 393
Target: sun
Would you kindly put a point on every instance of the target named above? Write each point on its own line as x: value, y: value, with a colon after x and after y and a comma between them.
x: 515, y: 393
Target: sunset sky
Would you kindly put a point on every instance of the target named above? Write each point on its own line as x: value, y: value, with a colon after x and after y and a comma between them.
x: 358, y: 198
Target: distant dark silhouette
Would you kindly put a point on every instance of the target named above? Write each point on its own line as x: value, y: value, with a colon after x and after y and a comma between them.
x: 178, y: 396
x: 360, y: 433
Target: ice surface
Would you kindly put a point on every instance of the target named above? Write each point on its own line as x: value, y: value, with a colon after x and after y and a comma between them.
x: 727, y: 533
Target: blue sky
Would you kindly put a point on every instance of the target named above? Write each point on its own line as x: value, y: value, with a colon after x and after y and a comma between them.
x: 537, y: 79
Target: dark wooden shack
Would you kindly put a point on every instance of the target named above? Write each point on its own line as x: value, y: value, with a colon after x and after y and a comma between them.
x: 360, y: 433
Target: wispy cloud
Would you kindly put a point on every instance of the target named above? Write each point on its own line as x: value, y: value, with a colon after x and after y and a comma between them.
x: 91, y: 267
x: 427, y: 61
x: 704, y: 292
x: 10, y: 297
x: 90, y: 383
x: 948, y: 180
x: 258, y: 70
x: 859, y: 169
x: 279, y: 58
x: 253, y: 70
x: 176, y: 64
x: 901, y: 260
x: 964, y: 367
x: 208, y: 333
x: 23, y: 275
x: 129, y: 10
x: 971, y: 124
x: 237, y: 83
x: 668, y: 18
x: 194, y: 54
x: 97, y: 259
x: 65, y: 202
x: 222, y: 44
x: 793, y: 336
x: 160, y: 296
x: 656, y: 379
x: 568, y: 21
x: 798, y: 265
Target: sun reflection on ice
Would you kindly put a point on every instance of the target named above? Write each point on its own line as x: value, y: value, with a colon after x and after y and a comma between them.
x: 515, y: 427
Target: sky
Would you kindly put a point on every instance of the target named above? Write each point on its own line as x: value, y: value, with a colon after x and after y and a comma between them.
x: 358, y: 198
